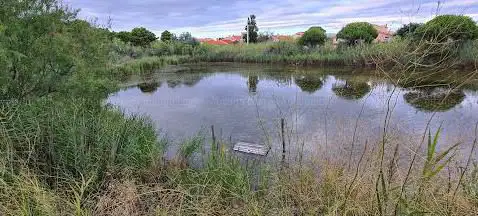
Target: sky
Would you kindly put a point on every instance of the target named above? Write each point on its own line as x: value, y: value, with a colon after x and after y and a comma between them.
x: 219, y: 18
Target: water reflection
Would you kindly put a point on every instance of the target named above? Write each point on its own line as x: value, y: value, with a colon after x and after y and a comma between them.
x: 309, y: 83
x: 434, y: 99
x: 173, y: 83
x: 192, y: 79
x: 221, y: 96
x: 252, y: 84
x: 351, y: 90
x: 149, y: 87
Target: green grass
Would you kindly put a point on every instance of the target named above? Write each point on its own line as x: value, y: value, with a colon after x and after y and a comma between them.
x: 398, y: 51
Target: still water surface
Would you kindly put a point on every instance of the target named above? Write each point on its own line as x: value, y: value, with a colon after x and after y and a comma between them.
x: 325, y: 109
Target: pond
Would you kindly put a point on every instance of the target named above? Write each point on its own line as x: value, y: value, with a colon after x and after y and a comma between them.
x: 325, y: 110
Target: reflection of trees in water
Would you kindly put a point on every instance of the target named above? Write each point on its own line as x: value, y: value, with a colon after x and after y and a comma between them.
x: 309, y: 83
x: 280, y: 78
x: 173, y: 83
x: 252, y: 84
x: 149, y: 87
x: 351, y: 90
x: 188, y: 80
x: 192, y: 79
x: 434, y: 99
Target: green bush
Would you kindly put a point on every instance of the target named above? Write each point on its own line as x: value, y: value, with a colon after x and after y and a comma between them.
x: 142, y: 37
x: 43, y: 45
x: 444, y: 27
x: 408, y: 30
x: 313, y: 37
x: 124, y: 36
x: 166, y: 36
x: 358, y: 31
x: 283, y: 48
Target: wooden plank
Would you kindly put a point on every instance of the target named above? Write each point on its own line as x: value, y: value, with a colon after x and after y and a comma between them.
x: 251, y: 148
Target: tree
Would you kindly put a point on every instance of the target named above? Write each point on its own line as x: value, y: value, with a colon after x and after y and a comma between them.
x: 408, y: 30
x: 313, y: 37
x: 142, y: 37
x: 187, y: 38
x: 264, y: 37
x: 252, y: 28
x: 444, y: 27
x: 124, y: 36
x: 166, y: 36
x: 44, y: 48
x: 358, y: 31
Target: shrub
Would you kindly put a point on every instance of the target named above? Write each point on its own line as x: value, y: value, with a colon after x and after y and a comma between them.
x: 142, y: 37
x: 313, y: 37
x: 166, y: 36
x: 283, y: 48
x: 264, y: 37
x: 358, y: 31
x: 44, y: 44
x: 408, y: 29
x: 124, y: 36
x: 187, y: 38
x: 444, y: 27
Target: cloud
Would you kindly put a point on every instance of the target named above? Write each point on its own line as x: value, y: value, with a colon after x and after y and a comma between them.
x: 211, y: 18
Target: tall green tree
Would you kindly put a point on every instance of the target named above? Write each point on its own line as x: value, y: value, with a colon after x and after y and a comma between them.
x: 313, y: 37
x: 166, y: 36
x: 43, y: 45
x: 445, y: 27
x: 187, y: 38
x: 142, y: 37
x: 251, y: 26
x: 124, y: 36
x: 408, y: 30
x: 358, y: 31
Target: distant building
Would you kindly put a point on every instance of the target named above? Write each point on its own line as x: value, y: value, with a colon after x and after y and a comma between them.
x: 298, y: 35
x: 221, y: 41
x: 384, y: 34
x: 201, y: 40
x: 216, y: 42
x: 234, y: 38
x: 277, y: 38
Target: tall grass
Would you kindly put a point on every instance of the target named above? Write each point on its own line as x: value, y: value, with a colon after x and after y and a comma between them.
x: 61, y: 142
x: 73, y: 160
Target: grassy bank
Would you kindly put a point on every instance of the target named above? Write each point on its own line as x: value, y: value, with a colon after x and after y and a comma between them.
x: 398, y: 51
x: 136, y: 182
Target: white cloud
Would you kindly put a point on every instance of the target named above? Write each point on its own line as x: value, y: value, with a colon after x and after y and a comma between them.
x: 211, y: 18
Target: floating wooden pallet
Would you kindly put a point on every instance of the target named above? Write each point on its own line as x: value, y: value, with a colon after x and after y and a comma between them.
x: 251, y: 148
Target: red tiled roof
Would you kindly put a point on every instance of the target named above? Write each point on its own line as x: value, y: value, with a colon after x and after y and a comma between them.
x: 236, y: 38
x: 214, y: 42
x: 228, y: 41
x: 204, y: 39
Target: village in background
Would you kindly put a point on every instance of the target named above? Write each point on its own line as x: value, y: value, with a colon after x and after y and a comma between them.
x: 384, y: 35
